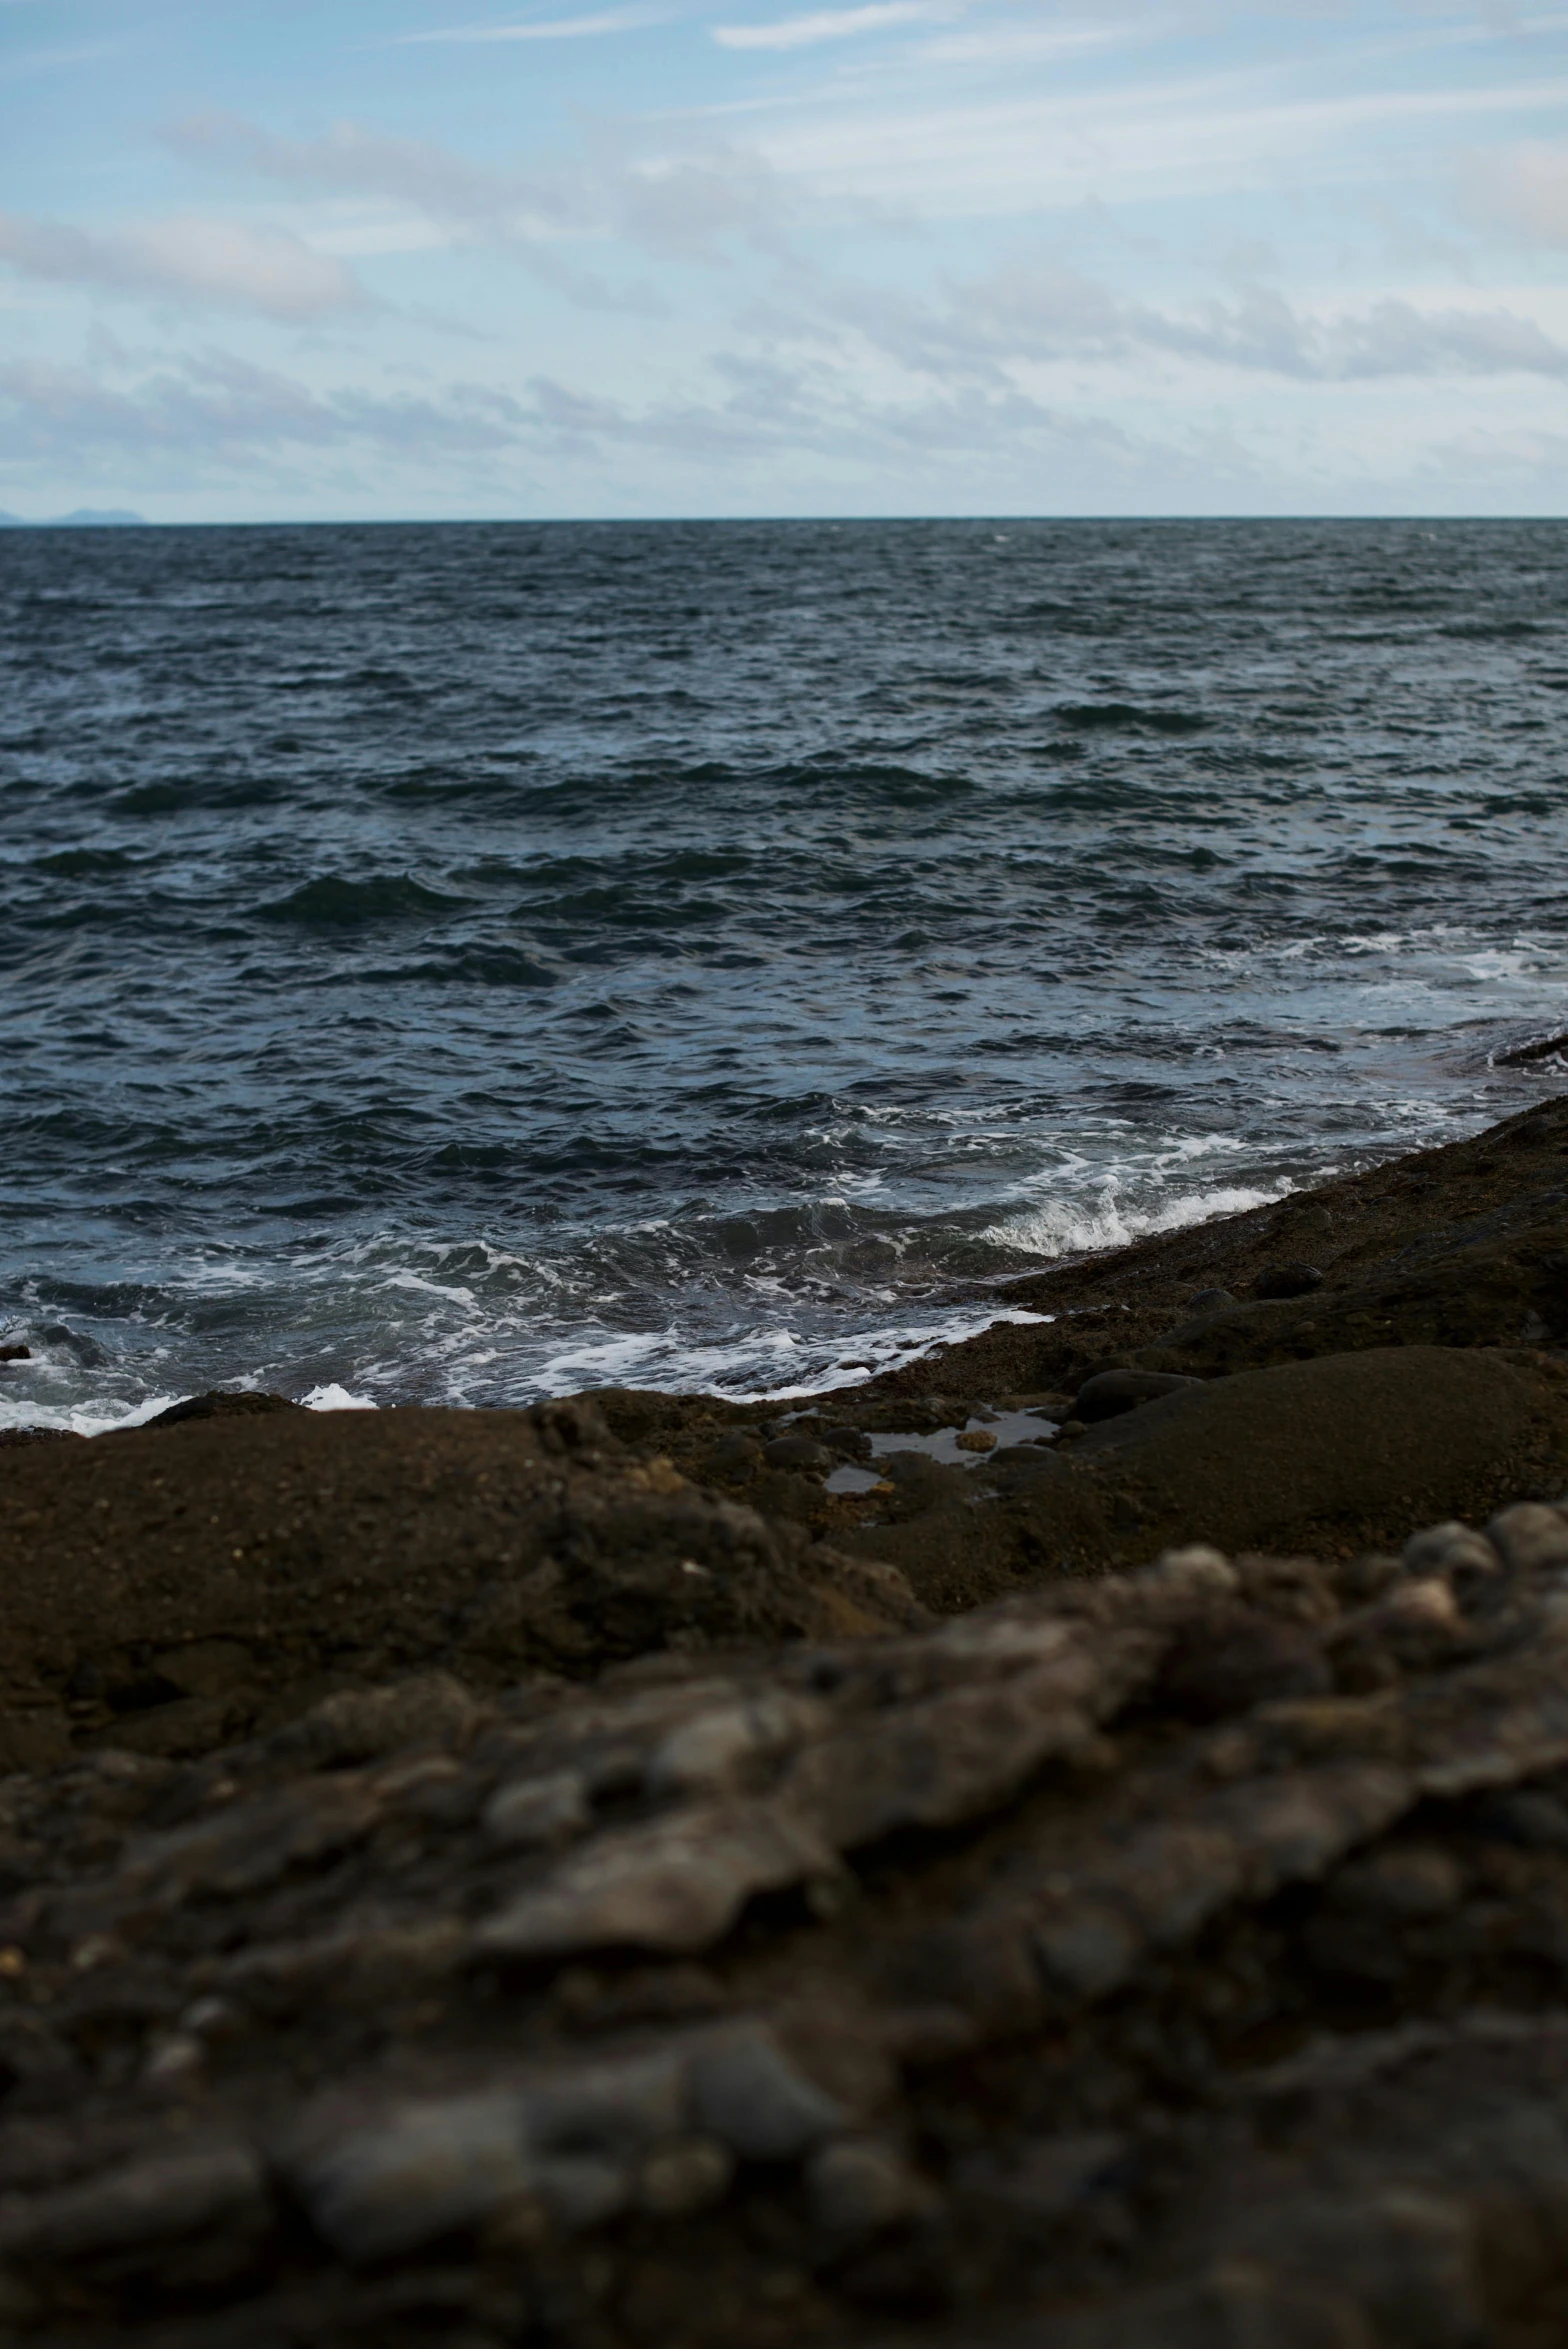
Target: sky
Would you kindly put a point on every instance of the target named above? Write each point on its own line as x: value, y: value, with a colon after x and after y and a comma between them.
x: 381, y: 259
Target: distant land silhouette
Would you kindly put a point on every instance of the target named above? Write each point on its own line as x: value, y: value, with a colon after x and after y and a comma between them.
x: 84, y: 518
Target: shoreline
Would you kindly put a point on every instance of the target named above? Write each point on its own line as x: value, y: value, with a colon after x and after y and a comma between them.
x: 1066, y: 1841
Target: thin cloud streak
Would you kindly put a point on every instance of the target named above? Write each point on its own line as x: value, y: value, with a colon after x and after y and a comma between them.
x: 1203, y: 136
x: 829, y: 24
x: 563, y: 28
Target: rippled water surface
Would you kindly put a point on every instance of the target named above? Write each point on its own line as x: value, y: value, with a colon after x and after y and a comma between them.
x: 459, y: 963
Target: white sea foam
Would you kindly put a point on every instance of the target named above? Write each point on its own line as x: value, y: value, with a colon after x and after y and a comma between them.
x: 332, y: 1397
x: 83, y: 1418
x: 1062, y: 1227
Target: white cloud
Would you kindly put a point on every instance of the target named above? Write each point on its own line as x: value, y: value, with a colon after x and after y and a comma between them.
x: 828, y: 24
x: 677, y: 204
x: 1054, y: 313
x: 1192, y: 136
x: 1011, y: 45
x: 561, y: 28
x: 187, y: 260
x: 360, y: 161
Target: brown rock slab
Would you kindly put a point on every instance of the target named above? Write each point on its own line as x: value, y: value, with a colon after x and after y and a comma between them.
x: 248, y: 1557
x: 1347, y: 1449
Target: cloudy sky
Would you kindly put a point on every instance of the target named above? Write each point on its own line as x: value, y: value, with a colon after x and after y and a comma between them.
x: 263, y: 258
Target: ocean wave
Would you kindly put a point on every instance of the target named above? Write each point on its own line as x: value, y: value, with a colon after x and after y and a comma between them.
x: 1155, y: 719
x: 331, y: 901
x: 1059, y: 1228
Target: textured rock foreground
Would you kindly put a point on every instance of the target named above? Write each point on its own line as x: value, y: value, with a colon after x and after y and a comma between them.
x: 1172, y: 1958
x: 1033, y: 1852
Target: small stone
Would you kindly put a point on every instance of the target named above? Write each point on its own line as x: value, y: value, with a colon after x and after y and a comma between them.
x: 1071, y: 1429
x: 1198, y: 1568
x: 1417, y: 1626
x: 735, y: 1453
x: 1087, y: 1949
x: 98, y: 1949
x: 1531, y: 1537
x: 177, y: 2060
x: 213, y: 2020
x: 1427, y: 1604
x: 747, y: 2093
x: 1211, y: 1300
x: 530, y: 1812
x: 1452, y: 1548
x: 859, y: 2186
x: 688, y: 2175
x: 614, y: 2110
x: 416, y: 2175
x: 676, y: 1884
x: 1287, y: 1280
x: 719, y: 1748
x: 1111, y: 1392
x: 799, y: 1452
x: 976, y: 1439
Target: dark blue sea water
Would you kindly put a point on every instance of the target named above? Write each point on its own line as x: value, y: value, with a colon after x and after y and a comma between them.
x: 459, y: 963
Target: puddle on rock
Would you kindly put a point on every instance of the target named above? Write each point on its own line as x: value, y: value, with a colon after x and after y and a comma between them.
x: 850, y: 1479
x: 1008, y: 1427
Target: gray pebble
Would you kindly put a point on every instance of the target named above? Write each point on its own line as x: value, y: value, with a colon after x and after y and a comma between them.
x: 735, y: 1453
x: 416, y: 2175
x: 1451, y: 1548
x: 534, y: 1811
x: 799, y: 1452
x: 615, y: 2109
x: 675, y: 1883
x: 685, y: 2176
x: 746, y: 2092
x: 719, y: 1748
x: 1532, y: 1537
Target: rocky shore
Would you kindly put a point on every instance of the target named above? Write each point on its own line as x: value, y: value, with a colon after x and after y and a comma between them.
x: 1065, y: 1844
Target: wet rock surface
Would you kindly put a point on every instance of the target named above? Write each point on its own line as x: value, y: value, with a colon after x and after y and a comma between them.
x: 576, y: 1877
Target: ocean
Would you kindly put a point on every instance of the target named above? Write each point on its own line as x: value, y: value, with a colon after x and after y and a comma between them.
x: 458, y: 964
